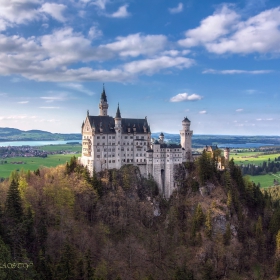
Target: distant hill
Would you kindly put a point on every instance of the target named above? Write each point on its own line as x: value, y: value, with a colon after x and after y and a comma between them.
x: 13, y: 134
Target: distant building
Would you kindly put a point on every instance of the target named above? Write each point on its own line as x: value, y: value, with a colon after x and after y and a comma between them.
x: 222, y: 160
x: 109, y: 143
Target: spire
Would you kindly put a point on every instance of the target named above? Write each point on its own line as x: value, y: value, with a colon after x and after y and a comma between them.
x: 118, y: 114
x: 103, y: 95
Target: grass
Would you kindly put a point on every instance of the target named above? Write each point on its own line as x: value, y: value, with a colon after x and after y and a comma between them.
x: 257, y: 158
x: 252, y: 158
x: 32, y: 163
x: 266, y: 181
x: 69, y: 147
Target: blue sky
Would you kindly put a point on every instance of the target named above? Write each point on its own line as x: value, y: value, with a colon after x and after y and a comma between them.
x: 216, y: 62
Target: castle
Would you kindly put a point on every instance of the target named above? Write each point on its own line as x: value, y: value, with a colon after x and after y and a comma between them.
x: 109, y: 143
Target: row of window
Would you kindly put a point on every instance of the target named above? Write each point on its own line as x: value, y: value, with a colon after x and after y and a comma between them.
x: 124, y: 137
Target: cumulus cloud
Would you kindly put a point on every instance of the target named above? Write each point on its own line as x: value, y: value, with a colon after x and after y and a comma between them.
x: 54, y: 10
x: 94, y: 32
x: 211, y: 28
x: 235, y: 71
x: 137, y: 44
x: 177, y: 9
x: 121, y: 12
x: 101, y: 4
x: 153, y: 65
x: 185, y: 97
x: 202, y: 112
x: 239, y: 110
x: 225, y: 32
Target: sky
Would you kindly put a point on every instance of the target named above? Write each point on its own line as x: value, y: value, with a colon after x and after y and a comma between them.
x: 216, y: 62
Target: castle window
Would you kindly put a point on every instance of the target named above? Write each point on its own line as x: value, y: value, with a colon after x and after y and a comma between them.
x: 98, y: 156
x: 140, y: 160
x: 142, y: 137
x: 137, y: 160
x: 98, y: 150
x: 113, y: 144
x: 109, y: 161
x: 131, y: 149
x: 105, y: 160
x: 128, y: 149
x: 131, y: 137
x: 138, y: 150
x: 104, y: 155
x: 128, y: 160
x: 113, y: 161
x: 103, y: 144
x: 140, y: 155
x: 109, y: 137
x: 137, y: 155
x: 113, y: 155
x: 144, y: 143
x: 123, y: 160
x: 113, y: 137
x: 97, y: 144
x: 125, y: 137
x: 103, y: 137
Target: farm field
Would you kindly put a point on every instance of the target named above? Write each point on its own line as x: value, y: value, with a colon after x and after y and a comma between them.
x: 252, y: 158
x: 67, y: 147
x: 266, y: 181
x: 32, y: 163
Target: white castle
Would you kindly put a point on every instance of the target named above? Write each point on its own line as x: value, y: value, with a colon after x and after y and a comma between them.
x: 109, y: 143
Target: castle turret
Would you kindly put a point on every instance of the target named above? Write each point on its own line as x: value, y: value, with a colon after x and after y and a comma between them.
x: 118, y: 130
x: 161, y: 138
x: 226, y: 154
x: 103, y: 105
x: 186, y: 139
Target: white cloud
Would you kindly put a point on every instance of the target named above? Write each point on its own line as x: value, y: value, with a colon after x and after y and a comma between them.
x: 268, y: 119
x: 225, y: 32
x: 137, y: 44
x: 185, y: 97
x: 78, y: 87
x: 154, y: 65
x: 49, y: 107
x: 121, y: 12
x: 18, y: 11
x: 17, y: 117
x: 23, y: 102
x: 101, y: 4
x: 235, y: 71
x: 94, y: 32
x: 177, y: 9
x: 210, y: 28
x: 202, y: 112
x: 54, y: 10
x: 239, y: 110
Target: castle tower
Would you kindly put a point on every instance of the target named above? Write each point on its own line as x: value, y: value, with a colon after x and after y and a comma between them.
x: 226, y: 154
x: 103, y: 105
x: 161, y: 138
x: 186, y: 139
x: 118, y: 130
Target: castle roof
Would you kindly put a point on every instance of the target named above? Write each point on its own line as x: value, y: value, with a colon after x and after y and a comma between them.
x: 107, y: 124
x: 118, y: 114
x: 103, y: 95
x: 170, y: 146
x: 186, y: 119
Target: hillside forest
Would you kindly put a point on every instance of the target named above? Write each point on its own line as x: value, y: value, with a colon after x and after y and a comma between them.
x: 61, y: 223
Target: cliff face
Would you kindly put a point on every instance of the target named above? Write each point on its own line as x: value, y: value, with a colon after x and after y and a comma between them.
x: 215, y: 226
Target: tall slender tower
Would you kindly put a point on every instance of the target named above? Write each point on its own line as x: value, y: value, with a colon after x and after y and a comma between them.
x: 103, y: 105
x: 118, y: 130
x: 186, y: 139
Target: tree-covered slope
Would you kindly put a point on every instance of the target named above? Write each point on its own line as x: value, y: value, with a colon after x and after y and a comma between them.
x: 116, y: 226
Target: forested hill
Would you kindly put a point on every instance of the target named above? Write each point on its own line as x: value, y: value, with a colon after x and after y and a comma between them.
x: 13, y: 134
x: 67, y: 225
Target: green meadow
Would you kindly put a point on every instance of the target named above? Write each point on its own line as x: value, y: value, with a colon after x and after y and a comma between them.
x: 33, y: 163
x: 266, y: 181
x: 252, y: 158
x: 68, y: 147
x: 257, y: 158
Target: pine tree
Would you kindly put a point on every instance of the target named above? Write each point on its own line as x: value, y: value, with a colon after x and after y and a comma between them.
x: 208, y: 224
